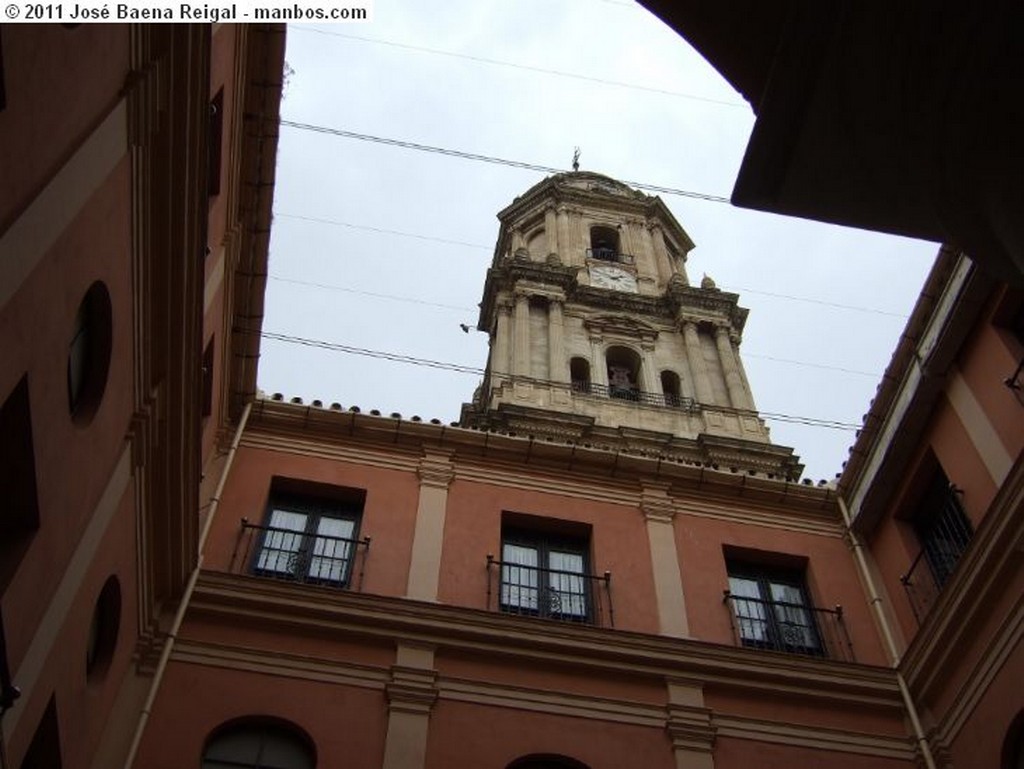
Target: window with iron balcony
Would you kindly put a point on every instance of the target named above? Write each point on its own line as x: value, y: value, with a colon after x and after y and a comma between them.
x: 770, y: 609
x: 545, y: 572
x: 943, y: 532
x: 309, y: 537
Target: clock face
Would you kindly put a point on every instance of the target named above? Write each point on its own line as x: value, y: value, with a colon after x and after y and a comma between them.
x: 615, y: 278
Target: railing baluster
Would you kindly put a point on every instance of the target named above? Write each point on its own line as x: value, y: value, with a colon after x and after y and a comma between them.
x: 298, y: 556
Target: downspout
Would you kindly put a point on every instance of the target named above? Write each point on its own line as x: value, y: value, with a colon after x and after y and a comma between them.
x: 883, y: 622
x: 186, y: 597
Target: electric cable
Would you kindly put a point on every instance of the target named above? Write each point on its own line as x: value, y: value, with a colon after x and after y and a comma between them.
x: 345, y: 134
x: 477, y: 371
x: 525, y: 67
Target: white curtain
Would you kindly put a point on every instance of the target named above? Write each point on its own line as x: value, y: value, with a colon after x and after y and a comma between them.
x: 331, y: 549
x: 793, y: 619
x: 750, y: 614
x: 281, y: 543
x: 519, y: 577
x: 568, y: 595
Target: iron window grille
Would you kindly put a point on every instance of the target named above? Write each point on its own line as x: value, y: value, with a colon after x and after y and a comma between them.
x: 944, y: 532
x: 549, y: 578
x: 304, y: 540
x: 770, y: 610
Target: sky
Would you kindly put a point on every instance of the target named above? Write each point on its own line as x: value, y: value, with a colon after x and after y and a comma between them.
x: 383, y: 248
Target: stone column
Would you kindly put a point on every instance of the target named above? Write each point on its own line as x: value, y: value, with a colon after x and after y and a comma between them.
x: 502, y: 341
x: 521, y: 350
x: 689, y: 725
x: 411, y: 694
x: 661, y: 258
x: 733, y: 380
x: 517, y: 239
x: 563, y: 234
x: 558, y: 366
x: 435, y: 474
x: 659, y: 512
x: 550, y: 230
x: 576, y: 247
x: 698, y: 367
x: 598, y: 365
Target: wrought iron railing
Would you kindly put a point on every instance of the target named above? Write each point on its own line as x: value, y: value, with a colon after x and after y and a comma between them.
x: 296, y: 556
x: 609, y: 255
x: 636, y: 396
x: 921, y: 586
x: 789, y: 627
x: 944, y: 531
x: 552, y: 593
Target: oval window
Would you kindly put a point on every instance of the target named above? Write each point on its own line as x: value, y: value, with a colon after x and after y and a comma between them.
x: 103, y: 629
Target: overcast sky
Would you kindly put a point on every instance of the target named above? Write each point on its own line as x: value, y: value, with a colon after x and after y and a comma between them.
x: 384, y: 248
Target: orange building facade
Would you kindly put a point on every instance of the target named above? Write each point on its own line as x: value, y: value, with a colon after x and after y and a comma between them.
x: 605, y: 563
x: 134, y: 208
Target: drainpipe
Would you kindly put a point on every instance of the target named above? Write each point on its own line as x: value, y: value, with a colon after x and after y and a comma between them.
x: 883, y: 622
x: 172, y: 634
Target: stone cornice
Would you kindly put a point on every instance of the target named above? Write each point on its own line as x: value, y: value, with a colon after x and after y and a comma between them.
x: 240, y: 600
x: 398, y: 443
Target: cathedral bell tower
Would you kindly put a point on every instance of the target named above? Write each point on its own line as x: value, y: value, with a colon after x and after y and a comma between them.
x: 597, y: 336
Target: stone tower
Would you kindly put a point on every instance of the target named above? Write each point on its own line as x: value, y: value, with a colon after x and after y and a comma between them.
x: 597, y: 336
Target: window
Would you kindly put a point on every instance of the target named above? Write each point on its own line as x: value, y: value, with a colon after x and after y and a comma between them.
x: 771, y: 609
x: 206, y: 400
x: 942, y: 527
x: 215, y: 139
x: 623, y: 373
x: 579, y: 375
x: 544, y: 575
x: 308, y: 539
x: 546, y: 761
x: 20, y: 518
x: 89, y: 353
x: 103, y: 629
x: 670, y: 387
x: 604, y: 244
x: 44, y: 750
x: 258, y: 745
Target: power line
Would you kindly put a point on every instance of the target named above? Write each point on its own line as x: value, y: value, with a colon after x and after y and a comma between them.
x: 332, y: 287
x: 526, y: 67
x: 476, y: 371
x: 487, y: 158
x: 368, y: 228
x: 482, y: 247
x: 822, y: 302
x: 824, y: 366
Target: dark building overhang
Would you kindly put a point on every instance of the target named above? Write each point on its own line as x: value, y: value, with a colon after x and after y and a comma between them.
x: 899, y: 117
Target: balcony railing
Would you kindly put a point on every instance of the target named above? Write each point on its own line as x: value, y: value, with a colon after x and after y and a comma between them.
x: 609, y: 255
x: 789, y: 627
x: 552, y: 593
x: 636, y: 396
x: 921, y: 586
x: 296, y: 556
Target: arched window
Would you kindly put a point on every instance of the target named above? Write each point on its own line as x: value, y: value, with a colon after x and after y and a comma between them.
x: 258, y: 744
x: 670, y: 387
x: 546, y: 761
x: 623, y: 373
x: 579, y: 374
x: 604, y: 244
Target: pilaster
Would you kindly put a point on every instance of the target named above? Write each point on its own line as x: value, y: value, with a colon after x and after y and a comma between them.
x: 500, y: 364
x: 689, y: 726
x: 411, y: 694
x: 435, y: 473
x: 521, y: 349
x: 659, y: 512
x: 558, y: 370
x: 733, y: 380
x: 698, y: 367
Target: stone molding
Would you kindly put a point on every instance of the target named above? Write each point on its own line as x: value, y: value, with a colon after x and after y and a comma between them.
x: 435, y: 468
x: 411, y: 690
